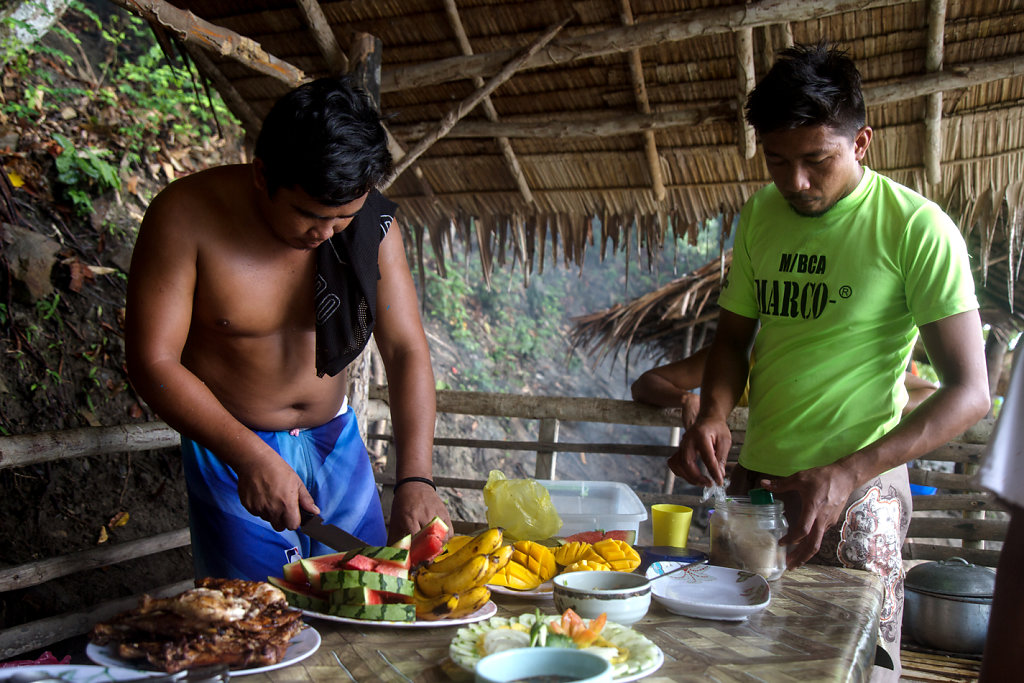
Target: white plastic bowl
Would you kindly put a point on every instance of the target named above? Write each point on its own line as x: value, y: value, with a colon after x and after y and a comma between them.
x: 623, y: 596
x: 526, y: 662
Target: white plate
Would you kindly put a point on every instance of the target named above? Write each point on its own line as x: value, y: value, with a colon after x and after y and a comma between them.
x: 485, y: 612
x: 78, y: 673
x: 300, y: 647
x: 707, y: 591
x: 545, y: 590
x: 644, y: 656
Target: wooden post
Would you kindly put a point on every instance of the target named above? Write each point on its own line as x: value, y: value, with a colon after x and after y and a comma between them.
x: 545, y: 468
x: 670, y: 476
x: 365, y: 61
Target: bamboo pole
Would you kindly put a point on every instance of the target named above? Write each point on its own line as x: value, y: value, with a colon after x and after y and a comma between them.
x: 744, y: 39
x: 235, y: 102
x: 933, y: 115
x: 953, y: 527
x: 337, y: 62
x: 225, y: 42
x: 685, y: 25
x: 509, y: 154
x: 913, y: 550
x: 467, y: 105
x: 35, y: 573
x: 636, y: 77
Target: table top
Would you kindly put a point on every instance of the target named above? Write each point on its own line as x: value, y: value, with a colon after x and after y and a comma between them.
x: 820, y: 625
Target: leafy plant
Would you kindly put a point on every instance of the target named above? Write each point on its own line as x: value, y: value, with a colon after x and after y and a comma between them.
x: 83, y: 171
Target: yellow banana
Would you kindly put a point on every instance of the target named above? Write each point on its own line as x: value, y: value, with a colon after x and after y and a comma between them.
x: 484, y: 543
x: 471, y: 601
x: 498, y: 559
x: 453, y: 544
x: 440, y: 607
x: 432, y: 583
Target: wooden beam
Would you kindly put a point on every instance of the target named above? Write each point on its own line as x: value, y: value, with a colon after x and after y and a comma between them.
x: 958, y: 76
x: 636, y: 76
x: 511, y: 160
x: 225, y: 42
x: 579, y: 125
x: 703, y: 22
x: 337, y: 62
x: 600, y: 124
x: 744, y: 40
x: 467, y: 105
x: 933, y: 105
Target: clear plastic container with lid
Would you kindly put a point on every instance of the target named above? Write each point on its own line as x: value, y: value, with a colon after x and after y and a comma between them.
x: 745, y: 535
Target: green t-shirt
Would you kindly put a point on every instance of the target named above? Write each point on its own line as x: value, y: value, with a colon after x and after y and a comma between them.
x: 839, y: 298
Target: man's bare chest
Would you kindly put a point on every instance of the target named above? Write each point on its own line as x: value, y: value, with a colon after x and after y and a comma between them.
x: 255, y: 297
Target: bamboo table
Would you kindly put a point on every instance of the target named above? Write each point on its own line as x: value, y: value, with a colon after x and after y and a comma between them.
x: 820, y: 626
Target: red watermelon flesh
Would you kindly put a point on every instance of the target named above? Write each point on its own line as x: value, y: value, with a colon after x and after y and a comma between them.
x: 600, y: 535
x: 428, y: 542
x: 293, y: 572
x: 371, y: 564
x: 313, y: 566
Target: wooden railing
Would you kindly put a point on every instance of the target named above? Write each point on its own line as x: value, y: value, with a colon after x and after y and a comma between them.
x: 961, y: 535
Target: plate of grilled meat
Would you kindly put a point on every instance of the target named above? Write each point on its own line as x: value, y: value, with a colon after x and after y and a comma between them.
x: 247, y: 625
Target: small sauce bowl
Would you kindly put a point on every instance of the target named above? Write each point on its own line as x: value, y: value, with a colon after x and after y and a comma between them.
x: 624, y: 597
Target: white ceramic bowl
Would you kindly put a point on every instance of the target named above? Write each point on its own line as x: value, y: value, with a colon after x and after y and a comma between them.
x: 525, y: 663
x: 624, y: 597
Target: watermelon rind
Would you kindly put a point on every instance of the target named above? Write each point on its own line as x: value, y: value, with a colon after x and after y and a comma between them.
x: 351, y: 578
x: 386, y: 553
x: 367, y: 596
x: 299, y: 595
x: 392, y: 612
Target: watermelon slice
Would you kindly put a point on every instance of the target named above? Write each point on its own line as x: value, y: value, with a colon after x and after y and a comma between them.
x: 333, y: 581
x: 293, y: 572
x: 392, y: 612
x: 301, y: 595
x: 600, y: 534
x: 428, y: 542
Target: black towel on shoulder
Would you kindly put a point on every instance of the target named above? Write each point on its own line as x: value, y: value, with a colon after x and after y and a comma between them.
x: 345, y: 293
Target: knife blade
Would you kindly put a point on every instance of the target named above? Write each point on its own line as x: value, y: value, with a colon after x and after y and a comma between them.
x: 328, y: 534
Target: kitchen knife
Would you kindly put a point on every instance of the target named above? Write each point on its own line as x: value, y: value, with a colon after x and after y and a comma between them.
x: 328, y: 534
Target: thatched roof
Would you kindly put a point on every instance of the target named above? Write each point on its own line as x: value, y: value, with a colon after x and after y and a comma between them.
x: 628, y: 110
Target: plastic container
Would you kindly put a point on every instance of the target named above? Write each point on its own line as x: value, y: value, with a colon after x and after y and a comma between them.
x: 746, y: 536
x: 595, y: 505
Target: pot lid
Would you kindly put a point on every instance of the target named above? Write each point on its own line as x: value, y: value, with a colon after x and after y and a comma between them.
x: 955, y: 576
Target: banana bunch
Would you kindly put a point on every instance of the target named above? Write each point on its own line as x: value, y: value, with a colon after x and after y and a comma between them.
x: 455, y: 583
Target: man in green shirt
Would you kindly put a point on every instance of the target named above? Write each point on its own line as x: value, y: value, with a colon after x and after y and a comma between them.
x: 841, y: 267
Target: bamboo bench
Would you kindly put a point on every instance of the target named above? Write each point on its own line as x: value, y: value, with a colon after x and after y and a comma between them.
x: 962, y: 530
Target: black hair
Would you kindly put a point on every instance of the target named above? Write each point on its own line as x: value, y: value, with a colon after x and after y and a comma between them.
x: 325, y: 137
x: 809, y: 85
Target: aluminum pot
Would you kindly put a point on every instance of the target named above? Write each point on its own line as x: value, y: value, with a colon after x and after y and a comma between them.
x: 947, y: 605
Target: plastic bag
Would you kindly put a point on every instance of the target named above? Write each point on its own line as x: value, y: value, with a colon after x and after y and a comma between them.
x: 522, y: 507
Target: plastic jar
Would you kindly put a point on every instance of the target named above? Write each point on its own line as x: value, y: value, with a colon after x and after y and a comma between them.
x: 746, y: 536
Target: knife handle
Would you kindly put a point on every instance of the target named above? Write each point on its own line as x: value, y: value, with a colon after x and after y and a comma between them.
x: 305, y: 516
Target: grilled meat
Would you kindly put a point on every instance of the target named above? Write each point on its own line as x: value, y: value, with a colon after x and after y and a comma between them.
x: 221, y: 621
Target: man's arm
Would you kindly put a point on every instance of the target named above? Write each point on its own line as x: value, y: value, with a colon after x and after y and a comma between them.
x: 671, y: 385
x: 725, y: 376
x: 161, y: 286
x: 918, y: 389
x: 956, y: 348
x: 406, y: 355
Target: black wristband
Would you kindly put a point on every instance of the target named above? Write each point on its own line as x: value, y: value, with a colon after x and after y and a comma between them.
x: 406, y: 480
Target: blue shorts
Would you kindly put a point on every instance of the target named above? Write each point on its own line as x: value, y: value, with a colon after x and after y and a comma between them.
x: 331, y: 460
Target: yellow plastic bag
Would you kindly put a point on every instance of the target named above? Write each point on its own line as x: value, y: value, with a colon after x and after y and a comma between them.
x: 521, y: 507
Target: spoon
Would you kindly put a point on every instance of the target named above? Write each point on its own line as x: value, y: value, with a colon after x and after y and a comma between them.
x: 676, y: 570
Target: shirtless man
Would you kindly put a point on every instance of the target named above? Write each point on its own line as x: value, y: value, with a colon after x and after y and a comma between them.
x: 224, y: 341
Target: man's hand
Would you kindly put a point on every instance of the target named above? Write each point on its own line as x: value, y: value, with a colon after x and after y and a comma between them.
x: 823, y: 493
x: 415, y: 504
x: 707, y: 441
x: 269, y: 488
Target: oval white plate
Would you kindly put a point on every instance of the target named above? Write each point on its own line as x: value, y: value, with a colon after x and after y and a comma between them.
x: 707, y: 591
x: 644, y: 656
x: 545, y: 590
x: 485, y: 612
x: 78, y: 673
x: 300, y: 647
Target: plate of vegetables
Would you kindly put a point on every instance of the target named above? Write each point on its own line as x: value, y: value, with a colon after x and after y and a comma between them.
x: 633, y: 656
